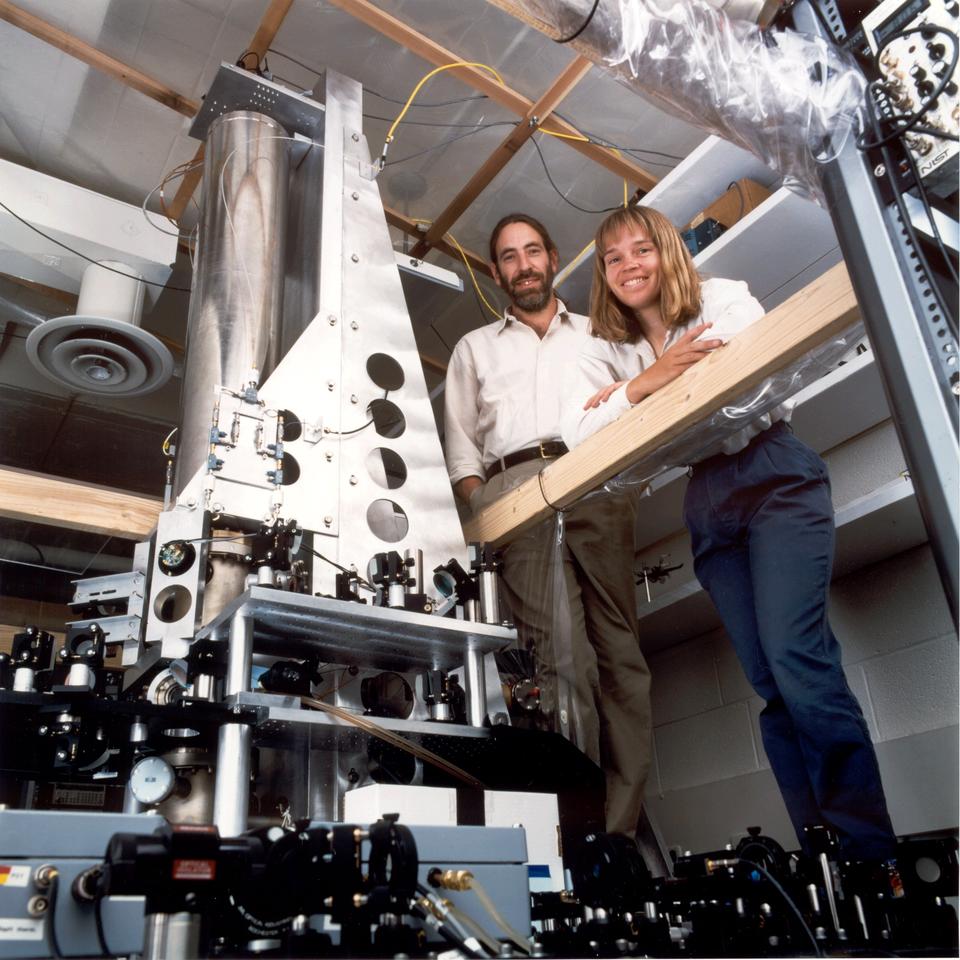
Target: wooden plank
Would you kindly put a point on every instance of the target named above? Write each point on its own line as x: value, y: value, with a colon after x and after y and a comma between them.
x: 270, y: 23
x: 809, y: 318
x: 413, y: 228
x: 38, y: 498
x: 97, y: 59
x: 576, y: 70
x: 432, y: 52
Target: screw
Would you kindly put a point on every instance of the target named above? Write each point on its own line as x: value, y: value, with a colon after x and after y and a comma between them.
x: 332, y: 320
x: 355, y: 137
x: 354, y: 398
x: 355, y: 195
x: 44, y: 730
x: 91, y: 653
x: 354, y: 258
x: 879, y: 170
x: 354, y: 325
x: 329, y: 456
x: 61, y: 754
x: 353, y: 481
x: 330, y: 384
x: 63, y: 654
x: 327, y: 521
x: 191, y: 502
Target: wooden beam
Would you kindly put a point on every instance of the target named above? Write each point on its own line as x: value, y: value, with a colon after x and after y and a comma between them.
x: 97, y: 59
x: 414, y: 229
x: 809, y: 318
x: 269, y: 25
x: 432, y: 52
x: 38, y: 498
x: 575, y: 71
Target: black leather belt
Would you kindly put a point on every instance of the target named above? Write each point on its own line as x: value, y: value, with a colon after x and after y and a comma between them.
x: 545, y: 450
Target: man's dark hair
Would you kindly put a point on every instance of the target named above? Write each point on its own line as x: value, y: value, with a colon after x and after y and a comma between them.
x: 519, y: 218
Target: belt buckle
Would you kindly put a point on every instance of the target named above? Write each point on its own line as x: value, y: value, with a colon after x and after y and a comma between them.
x: 543, y: 453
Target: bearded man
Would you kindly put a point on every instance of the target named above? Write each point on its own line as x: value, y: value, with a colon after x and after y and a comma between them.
x: 572, y: 597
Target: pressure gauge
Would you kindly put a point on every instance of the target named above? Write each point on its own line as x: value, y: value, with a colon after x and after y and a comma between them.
x: 152, y: 780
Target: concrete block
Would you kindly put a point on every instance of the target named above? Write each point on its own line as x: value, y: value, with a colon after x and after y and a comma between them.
x: 710, y: 746
x: 734, y: 685
x: 684, y: 681
x: 756, y: 705
x: 889, y: 606
x: 920, y: 780
x: 916, y: 689
x: 709, y: 816
x: 864, y: 463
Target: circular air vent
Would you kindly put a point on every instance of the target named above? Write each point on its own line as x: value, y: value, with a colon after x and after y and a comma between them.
x: 99, y: 355
x: 102, y: 349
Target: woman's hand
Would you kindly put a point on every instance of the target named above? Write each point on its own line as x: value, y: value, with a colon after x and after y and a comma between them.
x: 687, y: 351
x: 603, y: 395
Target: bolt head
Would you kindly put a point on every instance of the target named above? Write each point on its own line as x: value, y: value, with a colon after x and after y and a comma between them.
x: 354, y: 325
x: 879, y: 170
x: 354, y: 258
x: 61, y: 754
x: 327, y: 521
x: 355, y: 137
x: 329, y: 456
x: 354, y: 398
x: 44, y: 730
x: 355, y: 195
x: 353, y: 481
x: 332, y: 320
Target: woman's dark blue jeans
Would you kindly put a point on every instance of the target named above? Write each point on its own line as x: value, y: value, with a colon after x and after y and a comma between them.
x: 761, y: 524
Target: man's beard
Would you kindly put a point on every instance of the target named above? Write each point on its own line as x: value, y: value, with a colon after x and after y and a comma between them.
x: 532, y: 299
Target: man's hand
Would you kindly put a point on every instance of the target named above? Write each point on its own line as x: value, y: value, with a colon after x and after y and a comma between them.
x: 463, y: 488
x: 603, y: 395
x: 687, y: 351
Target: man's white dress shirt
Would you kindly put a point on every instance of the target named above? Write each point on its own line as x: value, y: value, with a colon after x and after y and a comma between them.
x: 504, y: 389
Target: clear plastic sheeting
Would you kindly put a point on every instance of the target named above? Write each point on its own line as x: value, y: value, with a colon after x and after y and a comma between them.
x: 789, y: 98
x: 706, y: 438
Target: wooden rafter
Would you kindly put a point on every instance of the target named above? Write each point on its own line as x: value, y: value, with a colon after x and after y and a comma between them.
x: 97, y: 58
x: 576, y: 70
x: 810, y: 317
x: 434, y: 53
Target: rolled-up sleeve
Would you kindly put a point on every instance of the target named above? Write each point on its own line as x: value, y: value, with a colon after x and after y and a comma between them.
x: 462, y: 415
x: 592, y: 371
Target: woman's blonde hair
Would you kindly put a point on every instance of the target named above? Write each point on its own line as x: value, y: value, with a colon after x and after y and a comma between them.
x: 679, y: 280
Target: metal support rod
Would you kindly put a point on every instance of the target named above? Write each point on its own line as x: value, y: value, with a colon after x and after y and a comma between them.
x: 170, y: 935
x: 231, y: 795
x: 898, y: 312
x: 476, y: 688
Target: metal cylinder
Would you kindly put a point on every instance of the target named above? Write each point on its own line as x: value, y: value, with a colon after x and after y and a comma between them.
x: 170, y: 935
x: 231, y: 796
x: 80, y: 675
x: 23, y: 679
x: 489, y: 596
x: 234, y: 321
x: 476, y: 688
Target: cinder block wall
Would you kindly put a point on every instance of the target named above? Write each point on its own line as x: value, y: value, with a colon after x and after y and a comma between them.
x: 711, y: 778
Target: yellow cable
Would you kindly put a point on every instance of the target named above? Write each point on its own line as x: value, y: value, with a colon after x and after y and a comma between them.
x: 473, y: 277
x: 581, y: 139
x: 416, y: 90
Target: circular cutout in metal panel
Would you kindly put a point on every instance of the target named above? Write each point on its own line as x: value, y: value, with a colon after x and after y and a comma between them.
x: 386, y: 467
x: 99, y: 355
x: 384, y: 371
x: 388, y: 419
x: 387, y: 520
x: 172, y: 603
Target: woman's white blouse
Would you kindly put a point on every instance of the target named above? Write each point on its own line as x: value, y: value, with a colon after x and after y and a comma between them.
x: 727, y: 304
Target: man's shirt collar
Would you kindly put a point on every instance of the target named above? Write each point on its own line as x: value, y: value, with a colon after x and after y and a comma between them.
x: 508, y: 317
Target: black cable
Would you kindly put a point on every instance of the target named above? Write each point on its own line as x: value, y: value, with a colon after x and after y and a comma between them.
x: 559, y: 192
x: 347, y: 433
x: 609, y: 144
x: 444, y: 143
x: 933, y: 132
x: 911, y: 120
x: 583, y: 26
x: 333, y: 563
x: 928, y: 210
x: 789, y: 902
x: 77, y: 253
x: 892, y: 169
x: 101, y: 935
x: 241, y: 62
x: 51, y: 923
x: 433, y: 327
